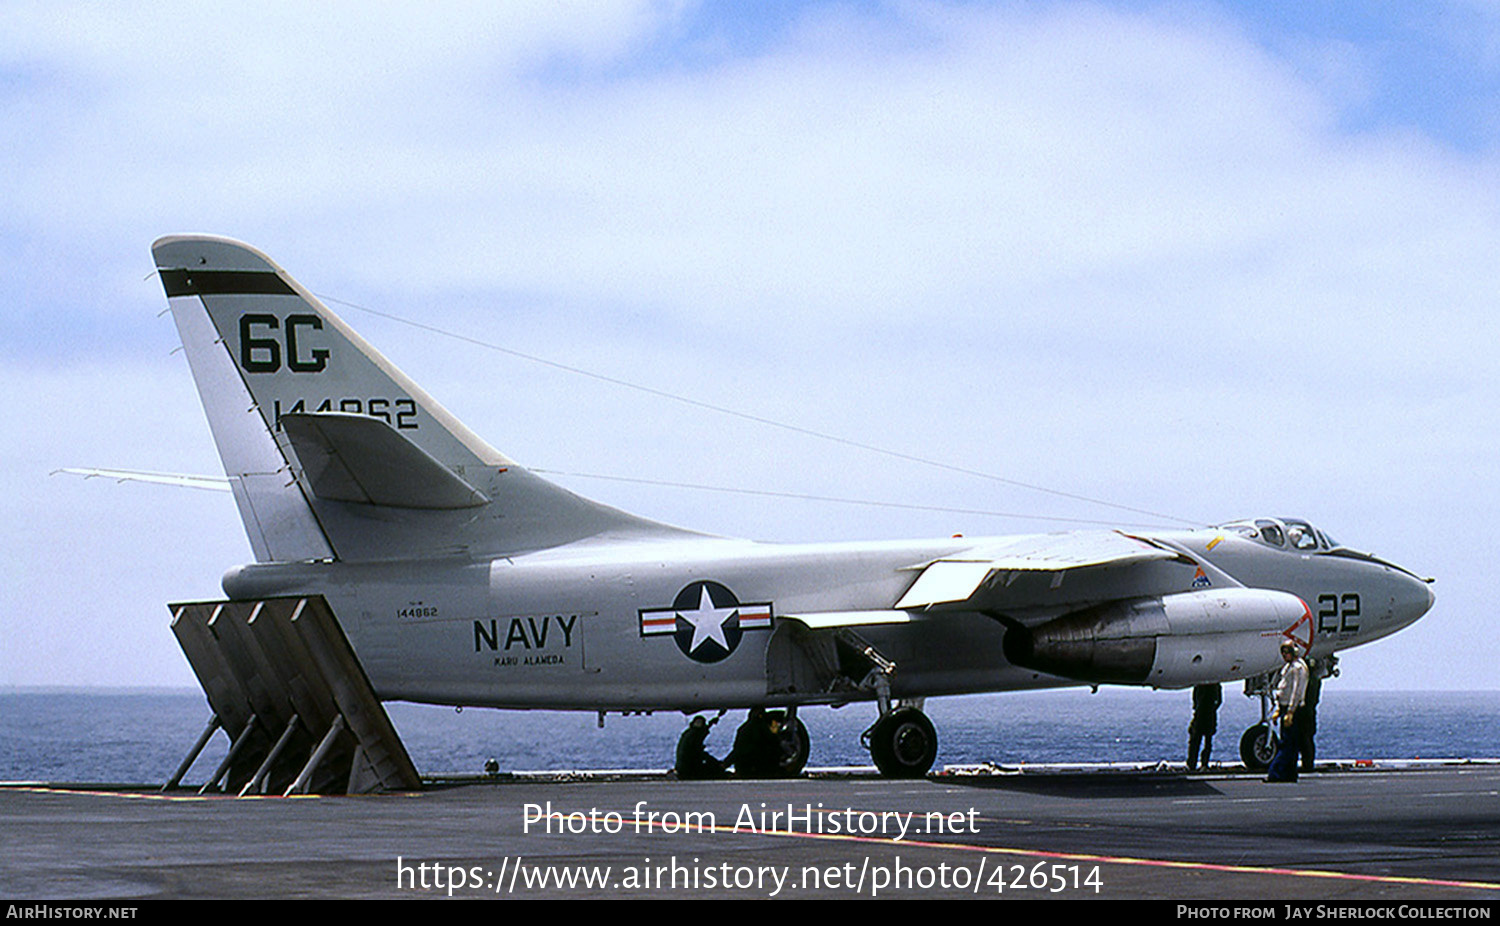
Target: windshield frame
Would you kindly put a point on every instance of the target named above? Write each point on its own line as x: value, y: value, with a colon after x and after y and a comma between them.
x: 1282, y: 534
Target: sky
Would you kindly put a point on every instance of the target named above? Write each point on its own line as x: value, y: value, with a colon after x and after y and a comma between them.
x: 1208, y: 260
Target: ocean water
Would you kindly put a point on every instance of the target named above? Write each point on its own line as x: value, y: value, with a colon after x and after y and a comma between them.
x: 140, y: 736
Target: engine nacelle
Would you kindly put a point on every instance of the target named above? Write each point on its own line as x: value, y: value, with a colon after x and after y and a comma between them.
x: 1174, y: 641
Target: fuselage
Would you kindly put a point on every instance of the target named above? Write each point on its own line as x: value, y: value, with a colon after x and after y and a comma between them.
x: 598, y: 624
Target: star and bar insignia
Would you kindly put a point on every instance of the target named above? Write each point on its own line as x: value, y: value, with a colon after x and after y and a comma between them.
x: 706, y: 620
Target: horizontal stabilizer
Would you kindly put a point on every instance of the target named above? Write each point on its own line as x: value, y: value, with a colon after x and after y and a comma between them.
x: 354, y: 458
x: 180, y: 480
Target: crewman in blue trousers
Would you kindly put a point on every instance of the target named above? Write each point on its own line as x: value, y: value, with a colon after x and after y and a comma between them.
x: 1291, y: 689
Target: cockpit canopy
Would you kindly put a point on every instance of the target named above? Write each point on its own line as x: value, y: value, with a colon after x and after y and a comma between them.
x: 1283, y: 533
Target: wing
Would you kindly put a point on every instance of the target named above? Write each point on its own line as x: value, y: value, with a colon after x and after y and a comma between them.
x: 832, y: 620
x: 1037, y: 577
x: 959, y: 578
x: 1040, y: 576
x: 1097, y: 607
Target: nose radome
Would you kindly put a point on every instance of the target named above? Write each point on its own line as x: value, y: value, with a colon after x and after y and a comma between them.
x: 1414, y: 600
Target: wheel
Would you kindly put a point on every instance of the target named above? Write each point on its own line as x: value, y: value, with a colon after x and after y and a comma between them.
x: 903, y: 743
x: 796, y: 745
x: 767, y: 746
x: 1257, y: 747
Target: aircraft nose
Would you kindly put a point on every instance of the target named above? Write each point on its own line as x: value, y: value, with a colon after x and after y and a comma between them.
x: 1414, y: 599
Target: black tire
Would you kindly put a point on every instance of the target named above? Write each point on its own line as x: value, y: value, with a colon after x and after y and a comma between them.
x: 1257, y: 747
x: 797, y: 746
x: 903, y: 743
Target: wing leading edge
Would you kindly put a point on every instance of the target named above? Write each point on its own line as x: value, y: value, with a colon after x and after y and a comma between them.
x: 964, y: 578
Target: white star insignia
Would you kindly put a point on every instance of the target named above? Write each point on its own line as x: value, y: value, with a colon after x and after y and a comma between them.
x: 708, y: 622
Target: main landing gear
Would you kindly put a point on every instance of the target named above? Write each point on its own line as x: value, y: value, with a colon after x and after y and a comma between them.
x: 902, y: 742
x: 769, y: 744
x: 789, y: 745
x: 775, y: 744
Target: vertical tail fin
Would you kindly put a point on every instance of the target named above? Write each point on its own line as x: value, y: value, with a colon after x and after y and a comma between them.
x: 331, y: 451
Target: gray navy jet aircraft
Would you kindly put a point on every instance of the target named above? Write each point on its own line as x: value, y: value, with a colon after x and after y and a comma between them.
x: 462, y: 578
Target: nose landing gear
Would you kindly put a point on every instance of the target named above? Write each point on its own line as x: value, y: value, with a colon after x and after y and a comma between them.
x: 1257, y: 747
x: 1258, y: 744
